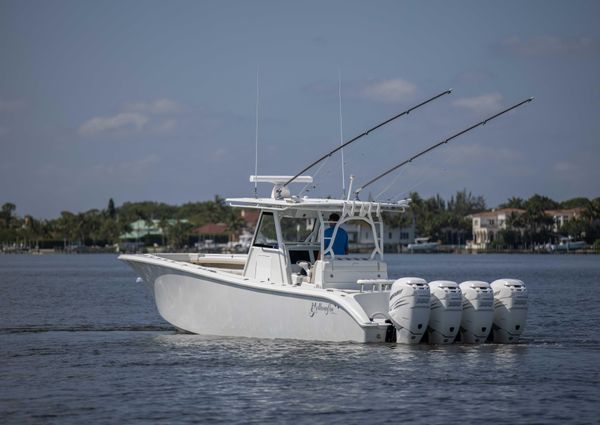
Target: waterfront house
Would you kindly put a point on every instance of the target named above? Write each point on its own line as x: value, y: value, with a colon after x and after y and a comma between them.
x: 487, y: 224
x: 561, y: 216
x: 145, y: 233
x: 360, y: 236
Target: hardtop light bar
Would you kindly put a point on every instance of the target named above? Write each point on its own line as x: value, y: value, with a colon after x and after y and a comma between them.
x: 314, y: 204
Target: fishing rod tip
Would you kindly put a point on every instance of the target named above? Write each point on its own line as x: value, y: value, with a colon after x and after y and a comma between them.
x: 450, y: 90
x: 531, y: 98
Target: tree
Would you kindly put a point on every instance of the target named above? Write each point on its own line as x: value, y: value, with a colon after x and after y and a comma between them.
x: 163, y: 225
x: 575, y: 203
x: 514, y: 202
x: 111, y: 210
x: 576, y: 228
x: 507, y: 238
x: 234, y: 223
x: 6, y: 214
x: 541, y: 203
x: 464, y: 203
x: 179, y: 233
x: 109, y: 231
x: 90, y: 226
x: 592, y: 209
x: 536, y: 222
x: 67, y: 227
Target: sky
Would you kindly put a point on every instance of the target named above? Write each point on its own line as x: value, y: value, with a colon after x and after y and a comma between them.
x: 157, y: 100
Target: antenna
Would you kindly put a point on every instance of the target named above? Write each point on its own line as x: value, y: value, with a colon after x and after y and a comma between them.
x: 366, y: 133
x: 341, y: 131
x: 373, y: 180
x: 256, y: 134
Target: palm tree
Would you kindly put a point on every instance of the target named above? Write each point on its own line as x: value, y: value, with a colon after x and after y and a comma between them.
x: 6, y: 214
x: 234, y: 223
x: 537, y: 222
x: 514, y: 202
x: 179, y: 233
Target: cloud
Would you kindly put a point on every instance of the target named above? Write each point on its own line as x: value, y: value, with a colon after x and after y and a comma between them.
x: 220, y: 155
x: 549, y: 46
x: 564, y: 167
x: 391, y: 90
x: 122, y: 121
x: 388, y: 91
x: 320, y: 40
x: 135, y: 116
x: 485, y: 103
x: 133, y: 168
x: 469, y: 154
x: 12, y: 105
x: 167, y: 125
x: 326, y: 89
x: 474, y: 76
x: 158, y: 107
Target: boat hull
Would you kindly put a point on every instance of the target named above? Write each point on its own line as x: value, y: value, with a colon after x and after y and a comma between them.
x: 204, y: 302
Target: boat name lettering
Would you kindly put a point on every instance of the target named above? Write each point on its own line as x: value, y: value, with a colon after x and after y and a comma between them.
x: 325, y: 309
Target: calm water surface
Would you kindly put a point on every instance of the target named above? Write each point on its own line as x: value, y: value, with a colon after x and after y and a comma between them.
x: 80, y: 341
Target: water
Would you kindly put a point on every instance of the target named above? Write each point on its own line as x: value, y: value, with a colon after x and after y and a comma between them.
x: 80, y: 341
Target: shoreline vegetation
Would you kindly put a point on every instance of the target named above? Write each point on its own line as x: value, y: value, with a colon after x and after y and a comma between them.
x: 448, y: 222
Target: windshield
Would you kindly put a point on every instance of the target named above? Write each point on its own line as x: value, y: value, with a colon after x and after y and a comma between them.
x: 266, y: 236
x: 296, y: 229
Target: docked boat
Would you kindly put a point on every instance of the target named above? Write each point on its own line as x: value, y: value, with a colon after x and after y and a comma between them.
x: 566, y: 244
x: 423, y: 245
x: 298, y: 282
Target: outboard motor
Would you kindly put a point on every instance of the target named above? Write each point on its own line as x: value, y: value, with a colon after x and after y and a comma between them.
x: 478, y: 311
x: 510, y: 310
x: 446, y: 312
x: 409, y: 309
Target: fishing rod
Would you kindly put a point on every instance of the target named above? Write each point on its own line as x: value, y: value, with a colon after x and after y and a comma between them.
x: 366, y: 133
x: 373, y: 180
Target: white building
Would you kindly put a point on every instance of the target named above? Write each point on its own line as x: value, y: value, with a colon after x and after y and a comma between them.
x: 360, y: 235
x: 486, y: 226
x: 561, y: 216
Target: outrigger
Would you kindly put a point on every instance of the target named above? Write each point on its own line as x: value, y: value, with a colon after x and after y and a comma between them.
x: 292, y: 284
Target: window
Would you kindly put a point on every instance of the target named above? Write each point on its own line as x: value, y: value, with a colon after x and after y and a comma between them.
x: 390, y: 235
x: 296, y: 229
x: 266, y: 236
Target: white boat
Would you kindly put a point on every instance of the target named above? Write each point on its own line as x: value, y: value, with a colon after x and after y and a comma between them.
x: 290, y: 285
x: 422, y: 245
x: 566, y: 244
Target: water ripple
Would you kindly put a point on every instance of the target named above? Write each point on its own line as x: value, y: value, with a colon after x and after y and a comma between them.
x: 86, y: 328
